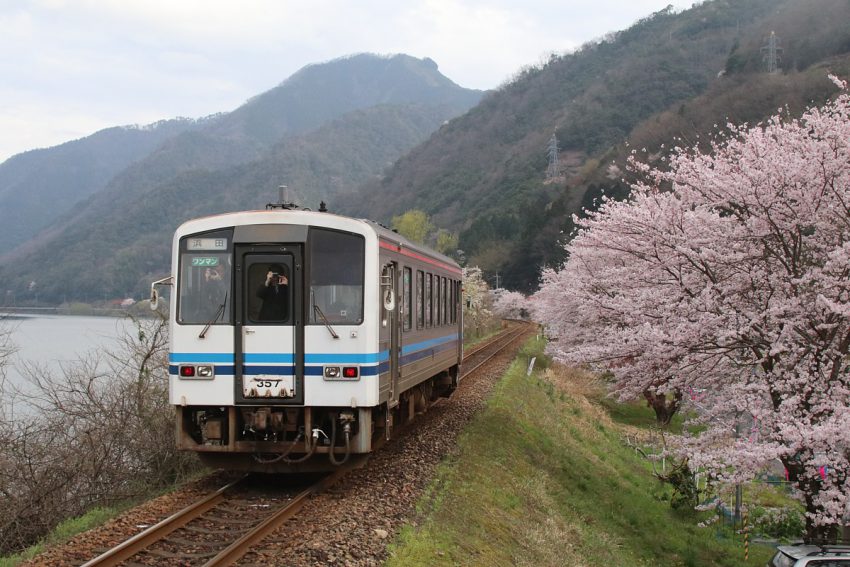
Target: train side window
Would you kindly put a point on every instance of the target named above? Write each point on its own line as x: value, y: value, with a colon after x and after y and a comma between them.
x: 439, y: 315
x: 428, y: 303
x: 454, y: 301
x: 420, y: 299
x: 451, y: 302
x: 458, y: 298
x: 438, y: 306
x: 445, y: 291
x: 406, y: 298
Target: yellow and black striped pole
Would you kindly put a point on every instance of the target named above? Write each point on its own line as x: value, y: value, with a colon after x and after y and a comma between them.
x: 746, y: 538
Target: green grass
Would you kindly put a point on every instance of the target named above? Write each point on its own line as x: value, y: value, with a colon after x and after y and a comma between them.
x: 542, y: 478
x: 636, y: 414
x: 93, y: 518
x: 471, y: 339
x: 63, y: 532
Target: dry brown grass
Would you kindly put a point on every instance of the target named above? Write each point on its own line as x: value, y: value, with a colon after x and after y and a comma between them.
x: 588, y: 389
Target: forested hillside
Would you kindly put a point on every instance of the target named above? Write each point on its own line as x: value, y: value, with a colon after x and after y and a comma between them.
x: 377, y: 136
x: 128, y: 246
x: 325, y: 130
x: 671, y: 75
x: 38, y: 186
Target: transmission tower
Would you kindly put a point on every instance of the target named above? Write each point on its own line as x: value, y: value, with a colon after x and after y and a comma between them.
x: 772, y: 53
x: 554, y: 170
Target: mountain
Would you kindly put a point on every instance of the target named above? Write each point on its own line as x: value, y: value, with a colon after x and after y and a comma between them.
x: 319, y: 93
x: 325, y: 130
x: 38, y: 186
x: 484, y: 175
x: 344, y: 132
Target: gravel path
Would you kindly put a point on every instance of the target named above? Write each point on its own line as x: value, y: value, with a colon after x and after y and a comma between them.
x: 351, y: 523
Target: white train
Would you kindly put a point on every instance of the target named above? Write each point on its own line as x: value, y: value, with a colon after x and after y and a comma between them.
x: 299, y: 338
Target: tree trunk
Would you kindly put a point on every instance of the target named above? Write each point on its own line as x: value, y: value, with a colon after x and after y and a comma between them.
x: 809, y: 488
x: 664, y: 407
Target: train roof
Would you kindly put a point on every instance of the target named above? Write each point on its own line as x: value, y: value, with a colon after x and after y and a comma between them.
x: 393, y: 237
x: 309, y: 217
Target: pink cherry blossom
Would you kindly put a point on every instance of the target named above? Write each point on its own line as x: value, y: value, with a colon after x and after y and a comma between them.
x: 728, y: 273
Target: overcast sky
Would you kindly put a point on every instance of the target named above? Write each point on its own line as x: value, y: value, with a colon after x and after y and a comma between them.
x: 71, y: 67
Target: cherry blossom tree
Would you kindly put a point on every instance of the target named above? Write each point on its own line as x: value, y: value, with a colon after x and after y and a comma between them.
x: 477, y: 312
x: 725, y: 280
x: 510, y: 304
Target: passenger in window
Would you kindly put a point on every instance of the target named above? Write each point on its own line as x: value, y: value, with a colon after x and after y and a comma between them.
x: 214, y: 286
x: 275, y: 295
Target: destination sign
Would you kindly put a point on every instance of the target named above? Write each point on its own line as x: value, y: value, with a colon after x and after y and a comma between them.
x: 205, y: 261
x: 207, y: 244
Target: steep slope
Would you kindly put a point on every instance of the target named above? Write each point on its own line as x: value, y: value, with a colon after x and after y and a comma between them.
x: 308, y: 99
x: 38, y: 186
x: 484, y: 174
x: 121, y: 165
x: 129, y: 246
x: 319, y: 93
x: 381, y: 106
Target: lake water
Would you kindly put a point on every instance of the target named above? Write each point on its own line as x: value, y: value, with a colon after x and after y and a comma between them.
x: 54, y: 341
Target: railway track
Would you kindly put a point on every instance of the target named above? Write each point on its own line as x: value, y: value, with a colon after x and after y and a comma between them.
x: 223, y: 526
x: 480, y: 354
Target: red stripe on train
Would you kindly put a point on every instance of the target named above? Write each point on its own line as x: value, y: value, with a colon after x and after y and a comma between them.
x: 404, y: 252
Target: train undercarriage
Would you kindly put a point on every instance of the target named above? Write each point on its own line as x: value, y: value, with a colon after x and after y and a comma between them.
x: 279, y: 438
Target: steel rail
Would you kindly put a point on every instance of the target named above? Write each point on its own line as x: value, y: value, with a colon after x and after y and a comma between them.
x: 246, y: 543
x: 483, y: 345
x: 160, y: 530
x: 508, y: 339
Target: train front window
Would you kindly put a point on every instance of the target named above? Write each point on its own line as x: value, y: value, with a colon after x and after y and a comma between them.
x: 336, y: 277
x: 269, y: 293
x: 204, y: 284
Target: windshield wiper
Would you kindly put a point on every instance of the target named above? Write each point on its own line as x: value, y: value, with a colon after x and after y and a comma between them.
x: 325, y: 319
x: 218, y: 313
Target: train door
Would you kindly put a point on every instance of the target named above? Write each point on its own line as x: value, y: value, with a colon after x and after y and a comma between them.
x: 269, y: 334
x: 390, y: 326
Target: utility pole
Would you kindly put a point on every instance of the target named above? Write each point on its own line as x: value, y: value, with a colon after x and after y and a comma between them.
x: 772, y: 53
x: 554, y: 170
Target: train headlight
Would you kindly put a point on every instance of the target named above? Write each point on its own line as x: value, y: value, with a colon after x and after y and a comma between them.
x: 197, y: 371
x: 331, y: 371
x: 342, y: 372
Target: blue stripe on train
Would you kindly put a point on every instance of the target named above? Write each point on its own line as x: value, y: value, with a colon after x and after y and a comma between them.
x: 409, y: 354
x: 275, y: 358
x: 412, y: 357
x: 439, y: 341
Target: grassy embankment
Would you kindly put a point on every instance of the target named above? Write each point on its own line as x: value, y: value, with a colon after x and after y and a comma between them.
x: 543, y: 477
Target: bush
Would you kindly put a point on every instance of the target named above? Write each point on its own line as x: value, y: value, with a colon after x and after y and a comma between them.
x: 94, y: 437
x: 779, y: 523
